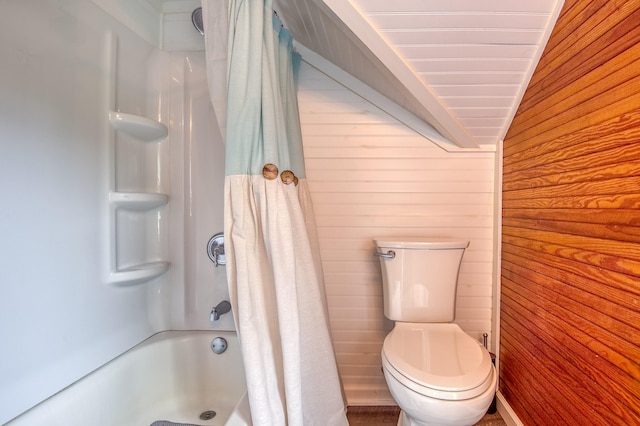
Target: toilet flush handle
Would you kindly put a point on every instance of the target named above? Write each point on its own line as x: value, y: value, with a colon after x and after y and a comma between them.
x: 390, y: 254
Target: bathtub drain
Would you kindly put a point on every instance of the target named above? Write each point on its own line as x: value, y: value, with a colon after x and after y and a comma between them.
x: 207, y: 415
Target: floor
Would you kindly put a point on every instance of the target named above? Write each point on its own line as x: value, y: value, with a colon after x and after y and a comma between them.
x: 388, y: 416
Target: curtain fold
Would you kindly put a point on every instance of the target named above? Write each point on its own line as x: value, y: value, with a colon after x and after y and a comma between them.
x: 273, y: 261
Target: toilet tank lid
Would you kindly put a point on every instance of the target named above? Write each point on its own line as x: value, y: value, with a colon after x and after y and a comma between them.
x: 423, y: 243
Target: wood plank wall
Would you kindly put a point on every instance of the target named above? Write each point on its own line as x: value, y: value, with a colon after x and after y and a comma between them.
x: 570, y: 300
x: 371, y: 176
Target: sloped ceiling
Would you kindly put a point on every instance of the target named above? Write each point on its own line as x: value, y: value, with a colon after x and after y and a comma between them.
x: 460, y: 65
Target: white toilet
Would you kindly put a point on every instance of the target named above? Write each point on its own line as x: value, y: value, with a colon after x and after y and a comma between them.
x: 437, y: 374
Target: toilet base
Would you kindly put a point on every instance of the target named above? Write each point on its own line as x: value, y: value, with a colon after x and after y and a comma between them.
x: 406, y: 420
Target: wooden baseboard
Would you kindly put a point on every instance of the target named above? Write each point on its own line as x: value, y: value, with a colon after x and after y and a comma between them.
x: 368, y: 395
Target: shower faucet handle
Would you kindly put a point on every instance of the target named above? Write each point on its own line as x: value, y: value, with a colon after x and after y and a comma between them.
x: 215, y: 249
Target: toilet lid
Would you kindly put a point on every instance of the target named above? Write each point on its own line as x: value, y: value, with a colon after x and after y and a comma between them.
x: 437, y: 356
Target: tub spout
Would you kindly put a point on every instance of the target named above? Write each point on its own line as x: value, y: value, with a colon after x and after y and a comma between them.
x: 219, y: 310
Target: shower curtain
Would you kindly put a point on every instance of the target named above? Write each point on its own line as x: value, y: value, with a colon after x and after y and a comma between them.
x: 273, y: 263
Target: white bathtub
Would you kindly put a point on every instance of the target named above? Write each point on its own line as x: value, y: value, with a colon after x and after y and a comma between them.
x: 172, y: 376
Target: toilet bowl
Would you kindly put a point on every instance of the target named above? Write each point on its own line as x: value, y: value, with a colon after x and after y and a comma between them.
x: 437, y: 374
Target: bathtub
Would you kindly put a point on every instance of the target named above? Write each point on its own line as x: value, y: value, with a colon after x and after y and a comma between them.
x: 171, y: 378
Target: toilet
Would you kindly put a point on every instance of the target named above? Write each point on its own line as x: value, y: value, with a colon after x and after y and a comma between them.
x: 437, y: 374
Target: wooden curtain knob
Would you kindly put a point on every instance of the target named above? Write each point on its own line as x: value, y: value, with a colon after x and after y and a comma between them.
x: 270, y: 171
x: 287, y: 177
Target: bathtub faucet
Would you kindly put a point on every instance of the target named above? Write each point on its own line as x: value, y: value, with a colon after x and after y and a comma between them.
x: 219, y: 310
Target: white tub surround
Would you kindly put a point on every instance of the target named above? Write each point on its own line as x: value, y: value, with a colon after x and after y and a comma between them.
x: 113, y: 167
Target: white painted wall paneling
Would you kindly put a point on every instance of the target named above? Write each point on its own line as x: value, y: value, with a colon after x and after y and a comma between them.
x: 371, y: 176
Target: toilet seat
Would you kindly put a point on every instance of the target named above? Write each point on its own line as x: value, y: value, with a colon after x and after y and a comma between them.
x: 437, y: 360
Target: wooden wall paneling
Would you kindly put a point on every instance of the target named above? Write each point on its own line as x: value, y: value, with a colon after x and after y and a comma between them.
x: 625, y: 185
x: 559, y: 257
x: 601, y: 164
x: 622, y: 289
x: 534, y: 369
x: 594, y: 118
x: 511, y: 378
x: 599, y: 108
x: 595, y: 335
x: 585, y: 249
x: 572, y: 173
x: 611, y: 30
x: 609, y: 314
x: 586, y: 366
x: 598, y: 80
x: 629, y: 201
x: 516, y: 373
x: 542, y: 380
x: 613, y: 233
x: 570, y: 299
x: 604, y: 135
x: 611, y: 224
x: 552, y: 364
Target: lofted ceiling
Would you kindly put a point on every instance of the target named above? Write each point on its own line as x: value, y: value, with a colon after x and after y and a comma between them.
x: 461, y: 66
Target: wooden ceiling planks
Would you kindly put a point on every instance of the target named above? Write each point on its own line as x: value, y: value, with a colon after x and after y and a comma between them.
x: 460, y: 66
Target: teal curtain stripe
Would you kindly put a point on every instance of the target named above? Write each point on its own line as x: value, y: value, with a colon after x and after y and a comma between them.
x: 263, y: 120
x: 244, y: 89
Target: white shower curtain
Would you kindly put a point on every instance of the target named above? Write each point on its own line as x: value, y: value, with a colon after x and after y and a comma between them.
x: 273, y: 263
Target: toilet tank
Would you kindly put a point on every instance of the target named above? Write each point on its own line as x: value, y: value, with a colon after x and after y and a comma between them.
x: 419, y: 278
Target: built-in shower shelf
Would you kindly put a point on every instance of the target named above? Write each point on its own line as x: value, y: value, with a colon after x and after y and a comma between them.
x: 139, y: 273
x: 137, y: 201
x: 141, y: 128
x: 136, y: 237
x: 134, y: 207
